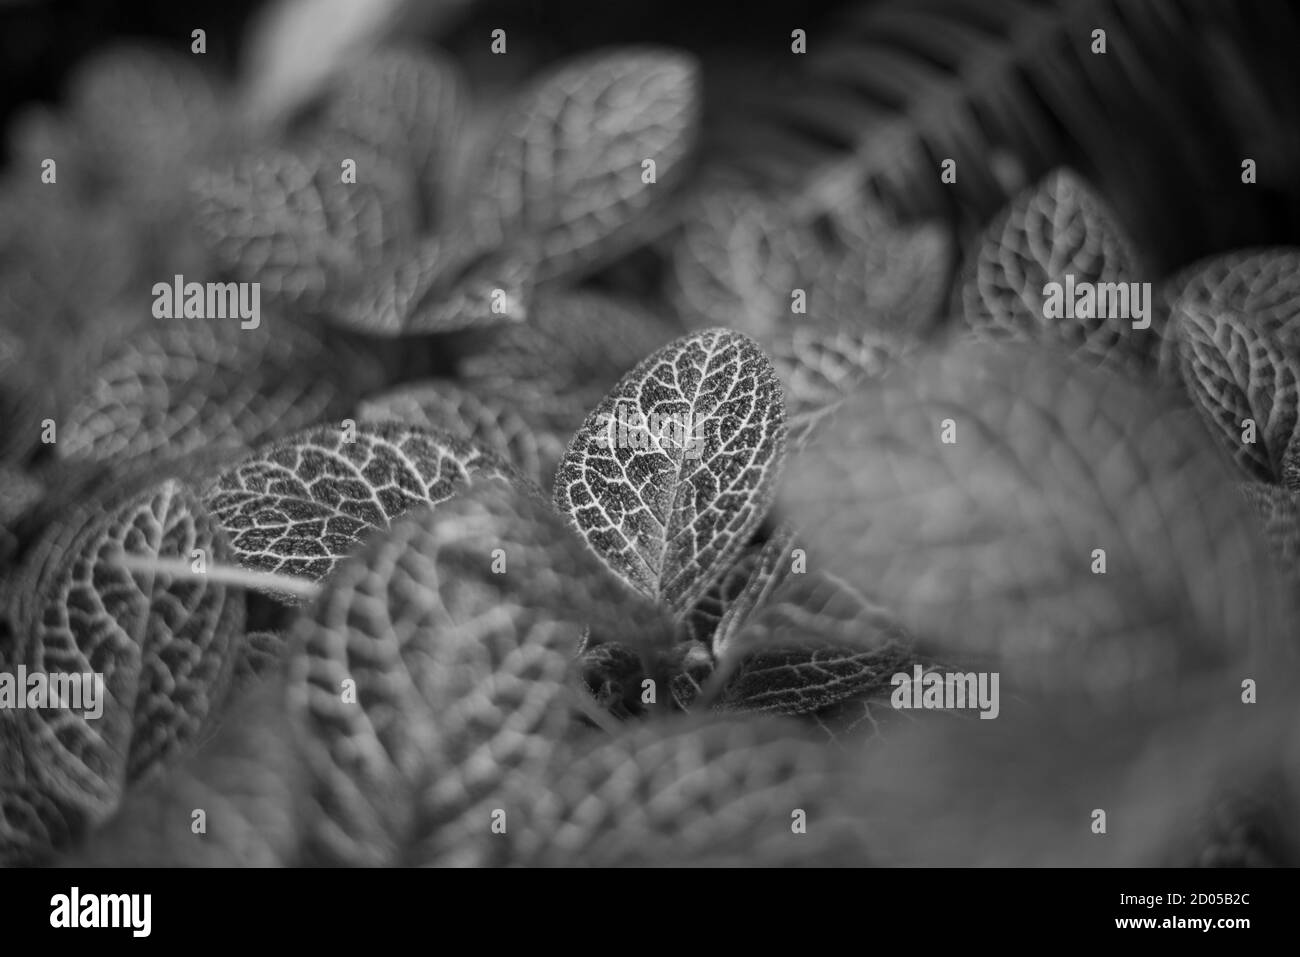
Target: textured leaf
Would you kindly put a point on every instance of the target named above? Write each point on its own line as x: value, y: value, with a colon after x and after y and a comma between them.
x: 1279, y: 510
x: 435, y: 285
x: 573, y: 341
x: 443, y: 405
x: 795, y: 643
x: 669, y: 517
x: 1235, y: 368
x: 870, y: 286
x: 462, y: 674
x: 186, y: 385
x: 1261, y: 283
x: 403, y: 102
x: 813, y: 645
x: 164, y: 647
x: 551, y: 370
x: 742, y: 253
x: 298, y: 506
x: 724, y: 608
x: 32, y: 822
x: 693, y: 793
x: 985, y: 546
x: 566, y: 167
x: 286, y: 220
x: 1291, y: 467
x: 1056, y: 229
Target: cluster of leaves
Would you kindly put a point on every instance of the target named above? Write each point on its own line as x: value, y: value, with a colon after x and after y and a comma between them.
x: 365, y: 576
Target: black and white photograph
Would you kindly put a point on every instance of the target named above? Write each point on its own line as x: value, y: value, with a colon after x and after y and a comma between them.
x: 651, y: 434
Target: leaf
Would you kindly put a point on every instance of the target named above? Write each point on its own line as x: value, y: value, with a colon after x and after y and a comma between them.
x: 551, y: 370
x: 1057, y: 229
x: 686, y: 792
x: 811, y: 646
x: 574, y: 341
x: 613, y: 673
x: 868, y: 286
x: 566, y: 166
x: 1010, y: 792
x: 985, y: 546
x: 669, y: 517
x: 403, y: 102
x: 298, y: 506
x: 1234, y: 369
x: 461, y: 673
x: 164, y: 647
x: 742, y: 253
x: 435, y: 285
x: 1260, y: 283
x: 144, y: 116
x: 32, y: 822
x: 443, y: 405
x: 286, y: 220
x: 186, y: 385
x: 1279, y: 511
x: 259, y: 657
x: 248, y: 780
x: 795, y: 642
x: 1291, y: 467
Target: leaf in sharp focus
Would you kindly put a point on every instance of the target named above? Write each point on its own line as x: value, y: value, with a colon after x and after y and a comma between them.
x: 669, y: 511
x: 567, y: 165
x: 725, y: 607
x: 286, y: 220
x: 1055, y: 230
x: 986, y: 546
x: 180, y: 387
x: 403, y: 102
x: 164, y: 647
x: 300, y: 505
x: 443, y: 405
x: 687, y: 792
x: 812, y: 645
x: 461, y: 673
x: 1244, y: 381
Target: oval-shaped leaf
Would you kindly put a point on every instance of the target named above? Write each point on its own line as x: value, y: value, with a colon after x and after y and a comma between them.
x: 186, y: 385
x: 567, y: 166
x: 163, y: 647
x: 1058, y: 231
x: 1244, y: 381
x: 669, y: 511
x: 300, y: 505
x: 690, y: 792
x: 403, y: 102
x: 972, y: 496
x: 459, y: 628
x: 286, y: 220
